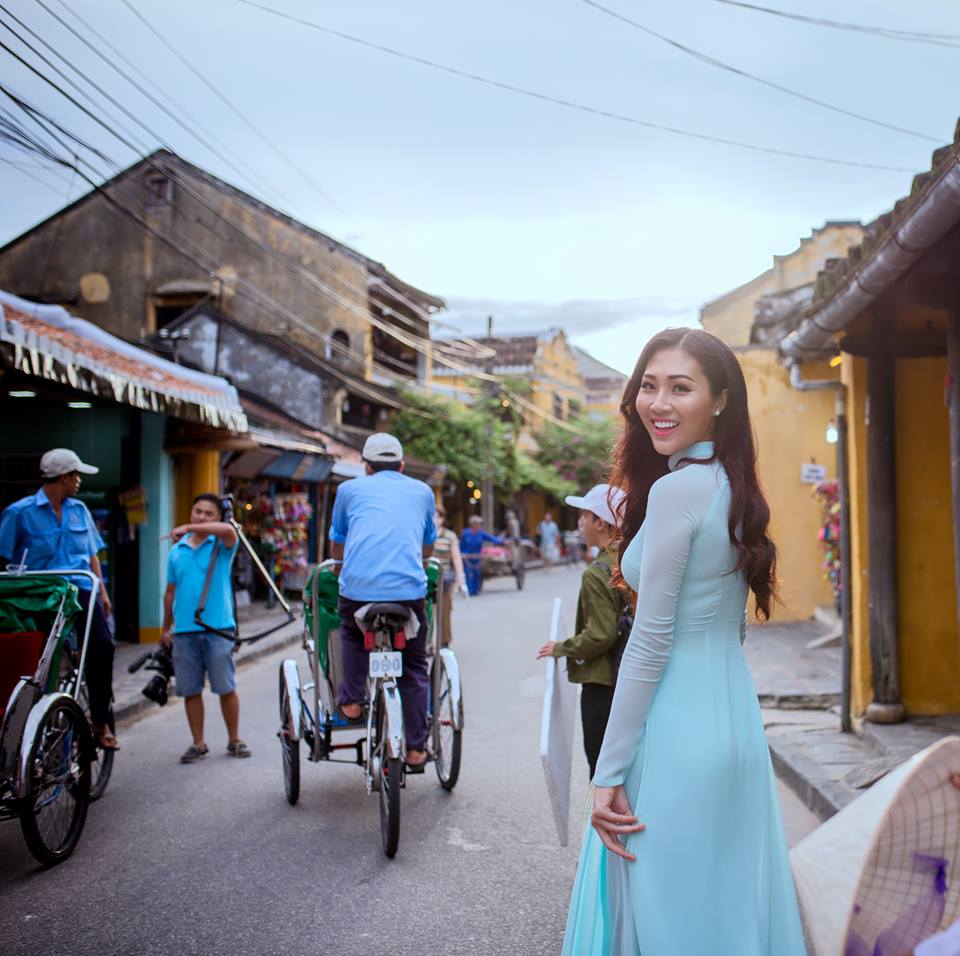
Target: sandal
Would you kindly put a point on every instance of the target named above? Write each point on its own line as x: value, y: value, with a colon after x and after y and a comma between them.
x: 193, y: 753
x: 237, y: 748
x: 105, y: 738
x: 417, y: 767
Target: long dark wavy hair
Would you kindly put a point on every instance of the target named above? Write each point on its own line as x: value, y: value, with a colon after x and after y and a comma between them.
x: 637, y: 465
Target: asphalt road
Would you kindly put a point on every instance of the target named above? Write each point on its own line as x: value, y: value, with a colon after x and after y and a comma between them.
x: 210, y: 858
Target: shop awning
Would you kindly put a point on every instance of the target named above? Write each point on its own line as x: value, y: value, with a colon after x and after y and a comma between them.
x: 296, y: 466
x: 46, y: 342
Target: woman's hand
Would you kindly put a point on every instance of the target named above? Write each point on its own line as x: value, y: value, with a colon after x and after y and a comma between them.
x: 546, y: 650
x: 612, y: 817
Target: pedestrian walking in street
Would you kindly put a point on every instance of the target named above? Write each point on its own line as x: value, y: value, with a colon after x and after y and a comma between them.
x: 593, y: 650
x: 549, y: 541
x: 198, y: 574
x: 446, y: 549
x: 53, y: 529
x: 687, y: 854
x: 383, y: 530
x: 471, y: 549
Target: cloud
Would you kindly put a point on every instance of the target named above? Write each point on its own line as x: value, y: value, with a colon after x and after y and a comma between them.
x: 576, y: 316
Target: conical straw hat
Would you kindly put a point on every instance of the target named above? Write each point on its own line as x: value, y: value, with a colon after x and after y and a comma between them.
x: 884, y: 873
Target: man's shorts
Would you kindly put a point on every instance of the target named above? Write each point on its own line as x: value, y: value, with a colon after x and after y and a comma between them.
x: 196, y: 653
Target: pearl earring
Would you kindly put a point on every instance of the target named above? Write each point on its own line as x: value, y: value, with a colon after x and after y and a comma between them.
x: 717, y: 412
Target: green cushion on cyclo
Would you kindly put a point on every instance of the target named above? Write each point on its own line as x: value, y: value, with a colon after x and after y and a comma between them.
x: 327, y: 586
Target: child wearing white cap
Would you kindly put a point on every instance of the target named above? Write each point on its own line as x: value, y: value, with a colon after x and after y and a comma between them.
x: 592, y: 652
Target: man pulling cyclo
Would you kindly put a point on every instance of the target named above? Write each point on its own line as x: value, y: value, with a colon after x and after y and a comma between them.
x: 382, y: 530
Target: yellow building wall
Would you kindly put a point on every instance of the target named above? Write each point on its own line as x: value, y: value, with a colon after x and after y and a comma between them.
x: 853, y: 373
x: 731, y: 316
x: 801, y: 266
x: 194, y: 473
x: 926, y: 587
x: 791, y: 427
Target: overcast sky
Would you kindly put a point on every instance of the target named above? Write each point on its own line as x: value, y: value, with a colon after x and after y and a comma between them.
x: 508, y: 205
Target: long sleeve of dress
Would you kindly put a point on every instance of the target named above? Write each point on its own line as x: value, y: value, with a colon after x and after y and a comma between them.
x: 676, y: 507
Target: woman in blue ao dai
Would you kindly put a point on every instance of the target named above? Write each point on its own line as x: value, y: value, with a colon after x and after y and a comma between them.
x: 686, y: 855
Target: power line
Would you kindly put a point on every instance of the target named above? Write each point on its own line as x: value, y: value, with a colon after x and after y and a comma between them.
x: 253, y: 177
x: 127, y: 142
x: 253, y: 290
x: 235, y: 110
x: 730, y: 68
x: 24, y: 170
x: 132, y: 138
x: 568, y: 104
x: 161, y: 106
x: 907, y: 36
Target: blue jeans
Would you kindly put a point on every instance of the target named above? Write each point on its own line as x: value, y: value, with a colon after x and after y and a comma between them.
x: 196, y: 653
x: 473, y: 572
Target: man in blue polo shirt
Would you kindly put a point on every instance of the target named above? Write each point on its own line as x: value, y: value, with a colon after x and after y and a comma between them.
x: 53, y: 530
x: 198, y: 652
x: 383, y: 530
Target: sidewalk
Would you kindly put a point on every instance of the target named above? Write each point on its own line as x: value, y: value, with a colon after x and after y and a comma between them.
x: 128, y: 700
x: 799, y: 691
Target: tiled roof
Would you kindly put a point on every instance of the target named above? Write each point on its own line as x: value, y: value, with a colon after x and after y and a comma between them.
x: 49, y: 343
x: 513, y: 353
x: 837, y: 272
x: 591, y: 368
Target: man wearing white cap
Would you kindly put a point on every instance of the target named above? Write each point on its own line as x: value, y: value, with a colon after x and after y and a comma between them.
x: 382, y: 529
x: 602, y: 615
x: 53, y: 530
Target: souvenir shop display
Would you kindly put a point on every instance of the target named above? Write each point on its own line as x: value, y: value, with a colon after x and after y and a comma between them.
x: 827, y: 496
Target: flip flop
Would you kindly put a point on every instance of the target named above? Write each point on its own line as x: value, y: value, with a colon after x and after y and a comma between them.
x: 105, y: 739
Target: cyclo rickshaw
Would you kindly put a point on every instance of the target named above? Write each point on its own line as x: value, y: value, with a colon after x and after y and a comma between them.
x: 381, y: 748
x: 50, y: 765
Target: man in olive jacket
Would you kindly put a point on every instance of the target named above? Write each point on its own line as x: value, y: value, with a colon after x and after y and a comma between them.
x: 592, y: 651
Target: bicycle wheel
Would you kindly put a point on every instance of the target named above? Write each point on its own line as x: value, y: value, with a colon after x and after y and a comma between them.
x: 101, y: 763
x: 101, y: 767
x: 390, y: 770
x: 289, y: 749
x: 57, y: 794
x: 449, y: 742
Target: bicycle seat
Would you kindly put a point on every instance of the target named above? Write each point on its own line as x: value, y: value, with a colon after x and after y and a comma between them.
x: 393, y: 615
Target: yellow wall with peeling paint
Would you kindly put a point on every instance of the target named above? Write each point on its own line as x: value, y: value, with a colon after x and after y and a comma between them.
x: 790, y: 428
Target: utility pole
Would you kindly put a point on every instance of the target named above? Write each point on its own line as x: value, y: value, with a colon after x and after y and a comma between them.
x: 490, y: 390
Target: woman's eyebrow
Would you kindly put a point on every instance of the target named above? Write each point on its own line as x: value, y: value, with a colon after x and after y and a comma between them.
x: 687, y: 377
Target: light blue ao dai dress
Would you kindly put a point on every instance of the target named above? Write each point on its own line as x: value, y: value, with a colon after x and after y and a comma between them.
x: 686, y: 739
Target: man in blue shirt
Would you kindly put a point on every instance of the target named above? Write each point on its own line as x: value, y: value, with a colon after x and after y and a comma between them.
x: 383, y: 530
x: 471, y: 548
x: 53, y: 530
x: 198, y: 652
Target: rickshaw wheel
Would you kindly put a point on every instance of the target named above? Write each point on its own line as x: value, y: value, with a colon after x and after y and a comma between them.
x: 101, y: 763
x: 290, y: 750
x: 57, y: 792
x: 100, y: 769
x: 449, y: 742
x: 391, y: 771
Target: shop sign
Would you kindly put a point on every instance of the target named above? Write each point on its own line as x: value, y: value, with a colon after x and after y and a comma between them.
x: 134, y: 503
x: 811, y: 474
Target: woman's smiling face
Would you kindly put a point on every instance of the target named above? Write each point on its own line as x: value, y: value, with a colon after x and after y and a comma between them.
x: 675, y: 403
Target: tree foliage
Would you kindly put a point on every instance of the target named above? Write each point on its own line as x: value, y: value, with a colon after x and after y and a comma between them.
x: 445, y: 432
x: 581, y: 457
